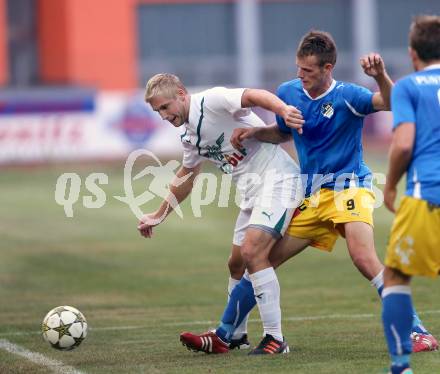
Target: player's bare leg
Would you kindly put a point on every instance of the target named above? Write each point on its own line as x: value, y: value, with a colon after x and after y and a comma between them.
x: 360, y: 244
x: 286, y: 248
x: 235, y: 263
x: 255, y: 249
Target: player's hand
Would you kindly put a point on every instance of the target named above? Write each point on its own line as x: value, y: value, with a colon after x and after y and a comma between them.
x: 389, y: 197
x: 373, y: 65
x: 293, y: 118
x: 240, y: 134
x: 146, y: 224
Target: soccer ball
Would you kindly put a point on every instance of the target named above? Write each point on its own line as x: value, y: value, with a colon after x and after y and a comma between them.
x: 64, y: 328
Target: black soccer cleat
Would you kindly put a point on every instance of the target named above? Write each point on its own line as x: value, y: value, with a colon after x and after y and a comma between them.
x: 242, y: 343
x: 269, y: 346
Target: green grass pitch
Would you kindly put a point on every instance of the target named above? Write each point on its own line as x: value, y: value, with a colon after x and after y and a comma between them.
x: 139, y: 294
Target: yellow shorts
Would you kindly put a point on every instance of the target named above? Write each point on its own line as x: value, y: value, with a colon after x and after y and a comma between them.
x: 318, y: 216
x: 414, y: 245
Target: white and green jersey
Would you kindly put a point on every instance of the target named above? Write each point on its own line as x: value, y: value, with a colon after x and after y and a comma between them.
x: 267, y: 204
x: 213, y: 115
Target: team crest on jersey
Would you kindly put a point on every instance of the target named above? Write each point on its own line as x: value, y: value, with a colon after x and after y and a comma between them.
x: 215, y: 151
x: 229, y: 161
x: 327, y: 110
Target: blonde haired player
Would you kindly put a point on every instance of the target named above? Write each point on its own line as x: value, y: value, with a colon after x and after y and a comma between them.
x: 209, y: 119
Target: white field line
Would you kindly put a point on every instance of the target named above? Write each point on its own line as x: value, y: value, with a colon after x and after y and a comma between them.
x: 37, y: 358
x: 208, y: 322
x: 303, y: 318
x: 107, y: 328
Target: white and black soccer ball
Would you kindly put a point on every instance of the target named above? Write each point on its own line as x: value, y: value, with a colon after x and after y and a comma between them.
x: 64, y: 328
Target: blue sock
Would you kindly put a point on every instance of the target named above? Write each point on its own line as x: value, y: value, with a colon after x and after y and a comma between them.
x: 417, y: 325
x: 398, y: 369
x: 379, y: 290
x: 397, y: 318
x: 241, y: 302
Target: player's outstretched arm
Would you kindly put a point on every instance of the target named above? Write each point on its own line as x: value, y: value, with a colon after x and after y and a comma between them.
x: 267, y: 134
x: 180, y: 188
x: 374, y: 67
x: 267, y: 100
x: 399, y: 158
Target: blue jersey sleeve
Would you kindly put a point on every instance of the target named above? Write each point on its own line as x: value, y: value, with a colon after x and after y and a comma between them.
x: 401, y: 103
x: 360, y: 99
x: 280, y: 121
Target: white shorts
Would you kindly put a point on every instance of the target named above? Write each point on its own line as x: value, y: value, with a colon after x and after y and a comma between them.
x: 272, y: 204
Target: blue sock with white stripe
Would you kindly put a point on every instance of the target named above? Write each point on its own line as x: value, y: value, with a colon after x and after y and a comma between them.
x: 242, y: 327
x: 397, y: 318
x: 241, y: 302
x: 417, y: 325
